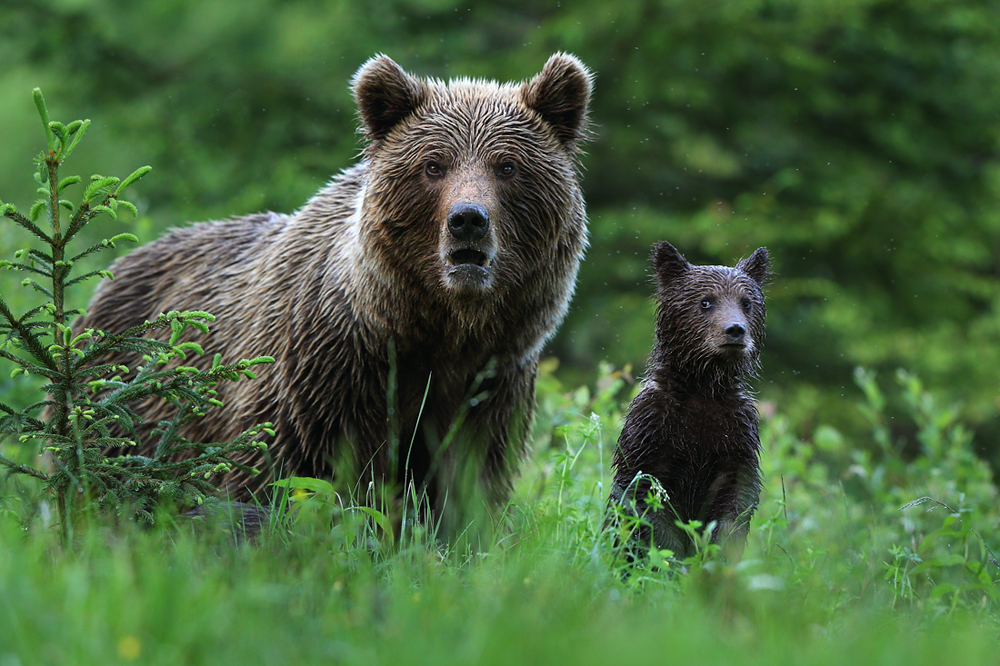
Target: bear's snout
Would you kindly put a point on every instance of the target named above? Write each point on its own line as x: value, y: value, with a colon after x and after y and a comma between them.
x: 467, y: 248
x: 731, y: 327
x: 468, y: 222
x: 735, y: 332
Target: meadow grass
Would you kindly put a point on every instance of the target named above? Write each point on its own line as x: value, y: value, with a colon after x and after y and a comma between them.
x: 835, y: 571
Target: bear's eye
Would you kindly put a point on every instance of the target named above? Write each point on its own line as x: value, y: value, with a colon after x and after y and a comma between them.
x: 746, y: 303
x: 706, y: 304
x: 506, y: 169
x: 434, y: 169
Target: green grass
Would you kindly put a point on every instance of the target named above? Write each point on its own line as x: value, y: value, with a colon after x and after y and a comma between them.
x: 834, y: 573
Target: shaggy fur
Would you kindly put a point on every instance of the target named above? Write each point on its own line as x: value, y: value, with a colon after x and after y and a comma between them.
x: 693, y: 428
x: 453, y: 246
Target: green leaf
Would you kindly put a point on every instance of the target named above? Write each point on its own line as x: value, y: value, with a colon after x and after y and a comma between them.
x: 104, y: 209
x: 318, y: 486
x: 190, y: 346
x: 66, y: 182
x: 380, y: 519
x: 942, y: 561
x: 44, y: 113
x: 177, y: 328
x: 76, y: 137
x: 943, y: 589
x: 98, y: 183
x: 36, y: 210
x: 129, y: 207
x: 134, y: 176
x: 59, y: 130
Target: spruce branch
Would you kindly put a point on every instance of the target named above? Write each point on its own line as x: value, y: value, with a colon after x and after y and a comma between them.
x: 27, y: 338
x: 12, y: 214
x: 17, y: 468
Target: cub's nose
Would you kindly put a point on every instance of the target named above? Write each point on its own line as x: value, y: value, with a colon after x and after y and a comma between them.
x: 736, y: 332
x: 468, y: 221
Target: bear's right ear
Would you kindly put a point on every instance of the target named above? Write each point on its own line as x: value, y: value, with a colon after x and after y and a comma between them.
x: 668, y: 263
x: 757, y: 265
x: 560, y: 94
x: 385, y: 94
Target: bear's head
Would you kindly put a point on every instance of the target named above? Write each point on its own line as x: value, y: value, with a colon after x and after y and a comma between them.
x: 471, y: 191
x: 710, y: 321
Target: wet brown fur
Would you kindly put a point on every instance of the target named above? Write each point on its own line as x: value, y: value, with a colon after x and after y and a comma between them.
x: 367, y: 261
x: 693, y: 426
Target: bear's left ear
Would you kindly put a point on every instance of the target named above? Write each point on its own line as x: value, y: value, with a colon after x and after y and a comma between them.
x: 385, y: 94
x: 757, y: 265
x: 560, y: 94
x: 668, y: 264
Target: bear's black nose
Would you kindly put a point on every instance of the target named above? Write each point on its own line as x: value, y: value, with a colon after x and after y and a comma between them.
x: 735, y: 332
x: 468, y: 221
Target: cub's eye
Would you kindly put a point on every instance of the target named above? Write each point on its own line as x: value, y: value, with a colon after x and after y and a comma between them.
x: 746, y: 304
x: 434, y: 169
x: 706, y: 304
x: 506, y: 169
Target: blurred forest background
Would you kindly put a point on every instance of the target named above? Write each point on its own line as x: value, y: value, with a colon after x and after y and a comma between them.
x: 859, y: 141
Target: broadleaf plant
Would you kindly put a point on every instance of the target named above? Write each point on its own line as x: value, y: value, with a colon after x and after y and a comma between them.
x: 87, y: 411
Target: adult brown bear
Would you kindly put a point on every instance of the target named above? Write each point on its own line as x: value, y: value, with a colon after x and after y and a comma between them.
x: 406, y: 303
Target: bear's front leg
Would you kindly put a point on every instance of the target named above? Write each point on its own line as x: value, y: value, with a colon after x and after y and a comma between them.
x: 486, y: 441
x: 733, y: 509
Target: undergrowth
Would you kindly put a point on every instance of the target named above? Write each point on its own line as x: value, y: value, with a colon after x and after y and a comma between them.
x: 858, y: 552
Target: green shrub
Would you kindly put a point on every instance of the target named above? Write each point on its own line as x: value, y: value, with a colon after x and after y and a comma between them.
x: 86, y: 409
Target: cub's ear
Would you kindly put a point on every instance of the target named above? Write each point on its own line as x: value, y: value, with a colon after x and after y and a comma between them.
x: 560, y: 94
x: 385, y: 94
x: 668, y: 263
x: 757, y: 265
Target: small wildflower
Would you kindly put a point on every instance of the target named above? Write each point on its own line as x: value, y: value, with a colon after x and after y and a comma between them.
x: 129, y: 648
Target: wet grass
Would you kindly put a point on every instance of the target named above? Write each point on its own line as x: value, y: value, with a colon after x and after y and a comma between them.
x: 835, y: 572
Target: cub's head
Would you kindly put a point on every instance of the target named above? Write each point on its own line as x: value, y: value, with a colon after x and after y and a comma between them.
x: 711, y: 318
x: 471, y: 186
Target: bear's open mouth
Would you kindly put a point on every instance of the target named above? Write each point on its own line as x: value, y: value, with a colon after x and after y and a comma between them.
x: 468, y: 258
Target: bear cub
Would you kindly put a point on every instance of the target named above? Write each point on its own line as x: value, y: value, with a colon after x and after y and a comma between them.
x: 693, y: 426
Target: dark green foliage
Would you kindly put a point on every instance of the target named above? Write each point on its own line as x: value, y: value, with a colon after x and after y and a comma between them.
x: 87, y: 405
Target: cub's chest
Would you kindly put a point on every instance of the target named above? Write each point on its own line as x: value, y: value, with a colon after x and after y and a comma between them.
x: 703, y: 424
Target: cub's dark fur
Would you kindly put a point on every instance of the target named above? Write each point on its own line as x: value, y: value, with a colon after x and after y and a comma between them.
x: 693, y: 427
